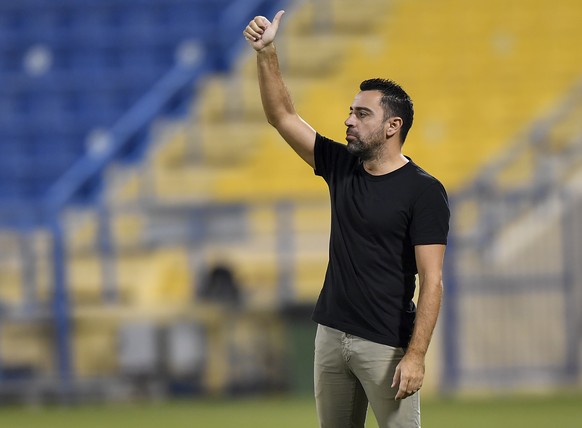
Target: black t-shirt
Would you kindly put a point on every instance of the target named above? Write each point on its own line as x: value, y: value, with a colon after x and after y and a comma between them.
x: 375, y: 223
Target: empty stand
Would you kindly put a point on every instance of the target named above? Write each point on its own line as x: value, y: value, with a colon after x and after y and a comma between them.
x: 220, y: 186
x: 71, y: 67
x: 228, y: 153
x: 479, y: 80
x: 71, y: 70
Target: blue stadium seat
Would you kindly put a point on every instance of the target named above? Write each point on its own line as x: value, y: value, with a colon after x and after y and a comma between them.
x: 70, y: 66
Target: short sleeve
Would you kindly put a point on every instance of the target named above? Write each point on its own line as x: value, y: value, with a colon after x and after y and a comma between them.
x: 326, y: 154
x: 430, y: 217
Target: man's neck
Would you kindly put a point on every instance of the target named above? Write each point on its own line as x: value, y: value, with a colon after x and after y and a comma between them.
x: 387, y: 162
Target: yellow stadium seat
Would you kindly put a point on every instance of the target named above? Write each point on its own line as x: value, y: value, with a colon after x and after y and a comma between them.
x: 478, y: 72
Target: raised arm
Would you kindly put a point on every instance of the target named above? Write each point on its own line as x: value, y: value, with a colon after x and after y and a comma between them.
x: 277, y: 103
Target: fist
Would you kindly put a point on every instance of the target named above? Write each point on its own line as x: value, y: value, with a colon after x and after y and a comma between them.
x: 261, y: 32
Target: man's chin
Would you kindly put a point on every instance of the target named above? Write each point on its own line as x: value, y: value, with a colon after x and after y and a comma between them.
x: 355, y: 148
x: 360, y: 152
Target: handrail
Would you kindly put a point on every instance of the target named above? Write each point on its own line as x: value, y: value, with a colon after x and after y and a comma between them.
x: 534, y: 136
x: 150, y: 105
x: 119, y: 137
x: 134, y: 121
x: 484, y: 189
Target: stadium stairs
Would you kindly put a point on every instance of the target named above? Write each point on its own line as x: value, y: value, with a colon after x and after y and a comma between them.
x: 70, y: 71
x: 223, y: 154
x: 478, y: 84
x: 226, y: 153
x: 476, y: 78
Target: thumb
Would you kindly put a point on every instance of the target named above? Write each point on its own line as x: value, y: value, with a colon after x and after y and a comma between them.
x: 277, y: 19
x: 396, y: 378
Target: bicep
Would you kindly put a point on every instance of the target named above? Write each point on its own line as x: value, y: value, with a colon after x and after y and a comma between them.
x: 429, y: 261
x: 299, y: 135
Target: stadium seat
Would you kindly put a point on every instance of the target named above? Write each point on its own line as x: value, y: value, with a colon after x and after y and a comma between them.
x: 72, y: 67
x: 103, y: 56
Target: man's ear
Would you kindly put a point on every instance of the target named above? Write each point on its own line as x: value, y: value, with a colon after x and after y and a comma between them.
x: 393, y: 126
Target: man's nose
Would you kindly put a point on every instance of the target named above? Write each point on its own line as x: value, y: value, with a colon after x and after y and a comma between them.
x: 349, y: 121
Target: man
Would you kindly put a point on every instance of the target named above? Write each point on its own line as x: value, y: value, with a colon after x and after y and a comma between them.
x: 389, y: 222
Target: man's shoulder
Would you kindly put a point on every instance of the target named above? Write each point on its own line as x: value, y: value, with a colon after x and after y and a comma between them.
x: 421, y: 174
x: 422, y: 179
x: 332, y: 144
x: 331, y: 155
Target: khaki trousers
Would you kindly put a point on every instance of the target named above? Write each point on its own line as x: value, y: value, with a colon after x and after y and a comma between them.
x: 349, y: 372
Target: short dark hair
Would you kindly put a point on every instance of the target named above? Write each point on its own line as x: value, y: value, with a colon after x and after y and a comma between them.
x: 395, y: 102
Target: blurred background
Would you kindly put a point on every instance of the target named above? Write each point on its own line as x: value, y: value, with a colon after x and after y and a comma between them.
x: 159, y: 240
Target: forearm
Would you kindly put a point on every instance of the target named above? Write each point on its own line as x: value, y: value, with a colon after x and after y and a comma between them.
x: 275, y: 97
x: 427, y: 311
x: 277, y: 104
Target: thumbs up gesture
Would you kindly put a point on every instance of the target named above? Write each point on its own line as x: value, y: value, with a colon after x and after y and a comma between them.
x: 261, y: 32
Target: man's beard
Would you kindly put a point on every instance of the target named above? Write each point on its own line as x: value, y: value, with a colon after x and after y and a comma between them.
x: 368, y: 148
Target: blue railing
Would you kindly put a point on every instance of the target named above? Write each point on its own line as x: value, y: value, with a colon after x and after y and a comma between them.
x: 490, y: 215
x: 81, y: 183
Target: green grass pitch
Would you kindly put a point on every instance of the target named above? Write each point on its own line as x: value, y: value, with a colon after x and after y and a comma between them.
x: 563, y: 411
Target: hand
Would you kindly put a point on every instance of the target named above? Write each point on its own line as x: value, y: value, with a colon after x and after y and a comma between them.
x: 260, y: 32
x: 409, y: 375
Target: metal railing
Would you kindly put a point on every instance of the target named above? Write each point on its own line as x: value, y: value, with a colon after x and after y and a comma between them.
x: 169, y: 93
x: 512, y: 277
